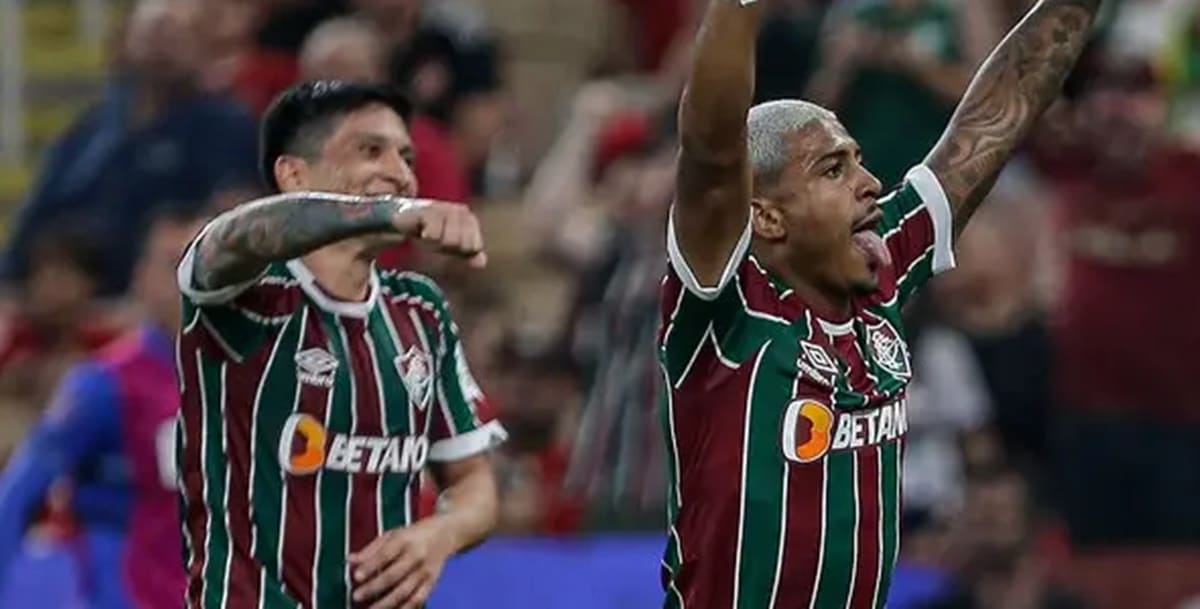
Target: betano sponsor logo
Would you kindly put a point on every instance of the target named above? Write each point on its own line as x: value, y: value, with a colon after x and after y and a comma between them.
x: 306, y: 446
x: 812, y: 430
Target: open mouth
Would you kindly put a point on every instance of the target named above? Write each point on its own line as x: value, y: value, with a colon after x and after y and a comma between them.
x: 868, y: 241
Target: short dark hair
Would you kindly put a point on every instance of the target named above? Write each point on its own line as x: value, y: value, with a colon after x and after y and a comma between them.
x: 312, y: 103
x: 76, y: 242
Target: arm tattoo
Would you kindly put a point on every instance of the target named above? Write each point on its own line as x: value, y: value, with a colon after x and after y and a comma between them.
x: 241, y: 243
x: 1011, y: 90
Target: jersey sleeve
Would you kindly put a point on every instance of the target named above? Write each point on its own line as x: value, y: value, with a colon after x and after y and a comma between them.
x: 234, y: 321
x: 917, y: 230
x: 464, y: 423
x: 687, y: 276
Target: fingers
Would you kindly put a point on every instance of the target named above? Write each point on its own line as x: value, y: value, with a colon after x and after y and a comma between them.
x: 412, y: 592
x: 401, y: 578
x: 433, y: 223
x: 455, y: 231
x: 418, y: 598
x: 377, y: 555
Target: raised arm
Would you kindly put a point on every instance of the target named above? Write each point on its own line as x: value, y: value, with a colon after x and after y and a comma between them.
x: 240, y: 243
x: 1012, y: 88
x: 713, y: 181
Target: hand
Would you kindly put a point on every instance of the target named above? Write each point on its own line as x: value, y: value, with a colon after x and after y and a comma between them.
x: 597, y: 101
x: 399, y: 569
x: 450, y: 227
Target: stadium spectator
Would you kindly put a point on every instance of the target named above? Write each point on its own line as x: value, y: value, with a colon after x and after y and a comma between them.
x: 110, y: 429
x: 271, y: 62
x: 999, y: 564
x: 787, y: 49
x: 154, y: 140
x: 455, y: 82
x: 52, y: 322
x: 1125, y: 438
x: 912, y: 54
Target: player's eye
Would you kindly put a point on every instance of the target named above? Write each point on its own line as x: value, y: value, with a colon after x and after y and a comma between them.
x: 834, y: 171
x: 373, y: 151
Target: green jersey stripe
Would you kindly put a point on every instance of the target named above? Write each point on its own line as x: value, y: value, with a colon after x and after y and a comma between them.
x: 254, y: 429
x: 369, y: 338
x: 216, y: 569
x: 399, y: 411
x: 673, y: 557
x: 333, y: 488
x: 889, y: 484
x: 279, y: 386
x: 838, y: 541
x: 916, y: 275
x: 764, y: 488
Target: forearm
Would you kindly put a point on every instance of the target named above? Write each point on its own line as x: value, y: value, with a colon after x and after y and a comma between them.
x: 242, y: 242
x: 561, y: 181
x: 1012, y: 88
x: 720, y: 89
x: 469, y: 509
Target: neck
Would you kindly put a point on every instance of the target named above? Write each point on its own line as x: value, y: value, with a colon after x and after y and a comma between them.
x: 342, y: 269
x: 824, y: 302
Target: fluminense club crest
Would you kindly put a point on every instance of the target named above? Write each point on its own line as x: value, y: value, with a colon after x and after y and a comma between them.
x: 416, y: 371
x: 888, y: 349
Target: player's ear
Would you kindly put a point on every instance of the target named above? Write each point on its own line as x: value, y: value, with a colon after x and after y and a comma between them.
x: 766, y: 220
x: 291, y: 173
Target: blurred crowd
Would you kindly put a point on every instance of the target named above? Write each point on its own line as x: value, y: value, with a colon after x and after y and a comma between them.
x: 1054, y: 450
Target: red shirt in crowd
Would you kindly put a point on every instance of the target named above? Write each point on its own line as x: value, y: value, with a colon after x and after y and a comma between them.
x: 1124, y: 332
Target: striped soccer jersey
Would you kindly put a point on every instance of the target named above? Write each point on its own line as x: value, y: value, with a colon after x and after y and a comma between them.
x: 305, y: 424
x: 784, y: 430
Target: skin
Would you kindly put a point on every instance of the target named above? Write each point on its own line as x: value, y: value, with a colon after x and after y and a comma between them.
x: 808, y: 247
x: 368, y: 154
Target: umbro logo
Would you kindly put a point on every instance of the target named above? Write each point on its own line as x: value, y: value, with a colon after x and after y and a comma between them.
x: 316, y: 367
x: 815, y: 363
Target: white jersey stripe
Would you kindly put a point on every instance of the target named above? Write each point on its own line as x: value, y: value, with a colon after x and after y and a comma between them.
x: 281, y: 536
x: 353, y: 432
x: 228, y: 466
x: 854, y: 539
x: 737, y: 565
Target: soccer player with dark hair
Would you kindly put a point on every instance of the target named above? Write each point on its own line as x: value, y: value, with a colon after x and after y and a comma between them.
x: 782, y: 343
x: 315, y: 387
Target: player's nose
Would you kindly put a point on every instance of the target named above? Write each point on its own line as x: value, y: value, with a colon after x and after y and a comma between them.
x: 869, y: 186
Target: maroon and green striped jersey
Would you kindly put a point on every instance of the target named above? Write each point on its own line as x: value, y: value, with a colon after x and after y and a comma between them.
x: 305, y: 424
x: 784, y: 430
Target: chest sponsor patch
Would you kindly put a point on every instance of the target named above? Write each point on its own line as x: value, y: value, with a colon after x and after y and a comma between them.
x: 812, y: 429
x: 305, y: 446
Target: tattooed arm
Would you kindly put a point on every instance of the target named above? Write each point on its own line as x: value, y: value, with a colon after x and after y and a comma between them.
x: 1009, y: 92
x: 240, y: 243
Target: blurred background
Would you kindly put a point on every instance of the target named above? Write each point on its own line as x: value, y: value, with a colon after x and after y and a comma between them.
x: 1054, y: 449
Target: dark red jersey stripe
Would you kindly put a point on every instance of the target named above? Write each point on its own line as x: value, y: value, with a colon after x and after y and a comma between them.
x: 802, y: 540
x: 241, y: 386
x: 300, y: 527
x: 364, y: 495
x: 710, y: 462
x: 866, y: 576
x: 192, y: 470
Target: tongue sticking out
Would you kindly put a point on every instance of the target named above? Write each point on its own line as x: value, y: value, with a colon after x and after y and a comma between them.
x: 872, y: 245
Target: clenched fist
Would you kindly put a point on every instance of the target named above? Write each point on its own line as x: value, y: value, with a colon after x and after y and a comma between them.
x: 450, y: 227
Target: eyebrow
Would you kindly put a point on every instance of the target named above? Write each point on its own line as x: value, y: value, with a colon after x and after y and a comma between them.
x: 843, y: 150
x: 405, y: 146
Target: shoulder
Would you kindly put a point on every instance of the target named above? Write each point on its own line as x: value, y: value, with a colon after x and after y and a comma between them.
x: 414, y: 288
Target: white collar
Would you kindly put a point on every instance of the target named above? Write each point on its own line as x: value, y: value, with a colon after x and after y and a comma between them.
x: 308, y: 283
